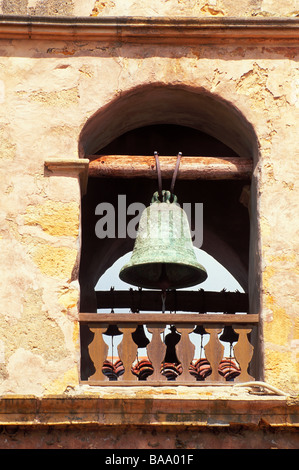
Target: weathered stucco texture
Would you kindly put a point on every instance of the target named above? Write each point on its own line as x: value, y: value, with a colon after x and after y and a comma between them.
x: 48, y: 92
x: 182, y: 8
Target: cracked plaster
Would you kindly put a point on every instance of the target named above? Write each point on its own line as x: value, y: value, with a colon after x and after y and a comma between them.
x: 183, y: 8
x: 39, y: 232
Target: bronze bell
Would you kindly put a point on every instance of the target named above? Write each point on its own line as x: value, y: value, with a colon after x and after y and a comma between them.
x: 163, y: 256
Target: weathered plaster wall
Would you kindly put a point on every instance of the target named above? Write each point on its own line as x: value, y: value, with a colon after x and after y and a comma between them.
x: 182, y: 8
x: 48, y: 91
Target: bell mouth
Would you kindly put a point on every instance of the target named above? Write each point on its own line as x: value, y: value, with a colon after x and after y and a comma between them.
x: 163, y: 276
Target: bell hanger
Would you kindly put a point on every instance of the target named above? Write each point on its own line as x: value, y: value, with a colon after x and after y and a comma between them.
x: 163, y: 256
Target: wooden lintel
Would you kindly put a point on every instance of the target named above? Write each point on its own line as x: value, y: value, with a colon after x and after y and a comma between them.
x: 191, y: 168
x: 147, y: 30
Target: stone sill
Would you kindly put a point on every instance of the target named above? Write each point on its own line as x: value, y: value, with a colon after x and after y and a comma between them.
x: 163, y: 406
x: 152, y: 29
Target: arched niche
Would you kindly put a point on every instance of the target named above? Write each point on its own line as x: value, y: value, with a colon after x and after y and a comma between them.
x: 228, y: 236
x: 169, y: 104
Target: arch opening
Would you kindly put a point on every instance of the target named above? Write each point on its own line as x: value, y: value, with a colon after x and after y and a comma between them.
x: 203, y: 125
x: 225, y: 226
x: 194, y: 108
x: 135, y: 121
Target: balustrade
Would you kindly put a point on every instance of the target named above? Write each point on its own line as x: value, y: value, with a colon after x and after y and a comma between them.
x: 156, y: 349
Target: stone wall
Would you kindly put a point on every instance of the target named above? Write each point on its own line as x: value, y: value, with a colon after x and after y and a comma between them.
x: 150, y: 439
x: 48, y: 93
x: 183, y: 8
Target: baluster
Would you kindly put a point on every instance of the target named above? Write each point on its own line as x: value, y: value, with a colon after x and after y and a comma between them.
x: 127, y: 353
x: 185, y: 350
x: 214, y: 353
x: 156, y: 353
x: 243, y: 352
x: 98, y: 350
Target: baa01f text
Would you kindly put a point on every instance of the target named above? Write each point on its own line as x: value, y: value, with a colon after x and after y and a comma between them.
x: 152, y: 459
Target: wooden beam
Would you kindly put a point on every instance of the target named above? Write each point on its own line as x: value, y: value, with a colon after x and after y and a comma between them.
x: 191, y: 168
x: 152, y: 30
x: 186, y: 301
x: 167, y: 318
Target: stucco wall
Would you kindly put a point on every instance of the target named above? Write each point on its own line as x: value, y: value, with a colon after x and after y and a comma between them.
x: 182, y: 8
x: 48, y: 93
